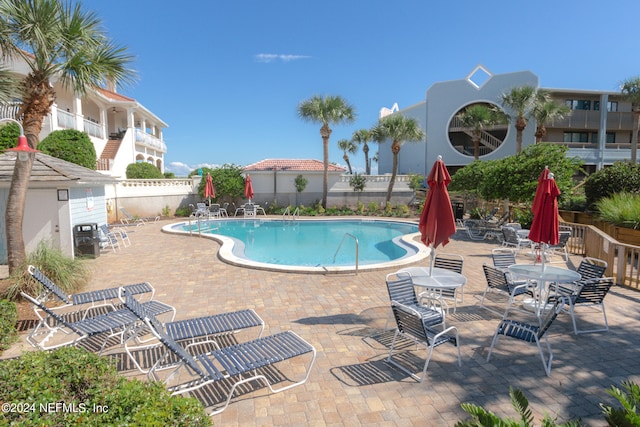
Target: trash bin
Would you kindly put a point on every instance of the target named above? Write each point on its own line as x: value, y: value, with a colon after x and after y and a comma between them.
x: 458, y: 210
x: 86, y: 240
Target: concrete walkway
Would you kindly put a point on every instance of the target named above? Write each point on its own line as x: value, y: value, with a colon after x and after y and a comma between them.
x: 343, y: 316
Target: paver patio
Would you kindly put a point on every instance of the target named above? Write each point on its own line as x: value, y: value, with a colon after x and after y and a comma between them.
x: 343, y: 316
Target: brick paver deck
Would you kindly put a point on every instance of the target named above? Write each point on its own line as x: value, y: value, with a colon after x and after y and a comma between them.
x: 343, y: 315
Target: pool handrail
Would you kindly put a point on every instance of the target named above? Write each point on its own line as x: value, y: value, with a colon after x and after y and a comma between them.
x: 340, y: 245
x: 292, y: 216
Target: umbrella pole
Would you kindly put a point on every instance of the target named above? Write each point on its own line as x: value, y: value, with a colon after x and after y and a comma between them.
x: 432, y: 258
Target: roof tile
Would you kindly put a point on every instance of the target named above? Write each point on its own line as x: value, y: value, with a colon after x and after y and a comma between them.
x: 291, y: 165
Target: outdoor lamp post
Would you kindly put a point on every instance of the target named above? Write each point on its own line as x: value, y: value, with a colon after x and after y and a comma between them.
x: 22, y: 148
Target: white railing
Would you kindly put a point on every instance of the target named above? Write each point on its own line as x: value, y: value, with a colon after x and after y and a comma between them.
x: 340, y: 246
x: 150, y: 141
x: 10, y: 110
x: 377, y: 178
x: 66, y: 120
x: 93, y: 129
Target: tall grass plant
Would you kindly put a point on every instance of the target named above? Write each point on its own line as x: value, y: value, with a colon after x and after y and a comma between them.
x: 622, y: 209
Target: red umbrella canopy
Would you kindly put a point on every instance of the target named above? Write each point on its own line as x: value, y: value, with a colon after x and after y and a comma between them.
x: 209, y: 191
x: 545, y: 227
x: 248, y: 188
x: 437, y: 223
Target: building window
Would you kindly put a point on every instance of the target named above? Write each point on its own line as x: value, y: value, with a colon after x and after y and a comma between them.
x: 612, y: 106
x: 611, y: 136
x: 576, y: 137
x: 578, y: 104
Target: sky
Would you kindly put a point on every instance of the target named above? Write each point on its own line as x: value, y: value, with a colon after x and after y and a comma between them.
x: 228, y: 76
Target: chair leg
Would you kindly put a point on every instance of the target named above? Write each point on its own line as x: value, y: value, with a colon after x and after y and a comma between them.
x: 545, y: 363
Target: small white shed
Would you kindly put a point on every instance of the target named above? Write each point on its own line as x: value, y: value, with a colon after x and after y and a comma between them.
x: 61, y: 195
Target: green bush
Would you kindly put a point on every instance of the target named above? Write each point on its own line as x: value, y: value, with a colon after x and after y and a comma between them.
x: 617, y: 178
x: 621, y: 209
x: 68, y: 273
x: 8, y: 319
x: 9, y: 133
x: 629, y: 399
x: 143, y: 170
x: 92, y: 391
x: 71, y: 145
x: 183, y: 211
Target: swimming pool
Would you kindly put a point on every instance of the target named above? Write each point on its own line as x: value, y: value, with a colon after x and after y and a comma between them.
x: 310, y: 245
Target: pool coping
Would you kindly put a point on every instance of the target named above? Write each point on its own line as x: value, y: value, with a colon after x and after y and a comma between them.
x: 227, y: 245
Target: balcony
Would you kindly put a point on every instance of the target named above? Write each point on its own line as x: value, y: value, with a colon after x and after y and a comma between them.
x: 150, y: 141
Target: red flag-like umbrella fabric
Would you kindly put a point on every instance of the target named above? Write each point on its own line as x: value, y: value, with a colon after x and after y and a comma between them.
x: 545, y: 226
x: 248, y: 188
x: 209, y: 191
x: 437, y: 223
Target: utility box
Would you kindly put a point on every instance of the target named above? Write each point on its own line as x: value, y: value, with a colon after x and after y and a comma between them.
x: 86, y: 240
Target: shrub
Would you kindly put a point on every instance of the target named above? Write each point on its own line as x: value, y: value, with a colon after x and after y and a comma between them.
x: 183, y: 211
x: 71, y: 145
x: 68, y: 273
x: 629, y: 398
x: 617, y: 178
x: 372, y: 207
x: 143, y: 170
x: 8, y: 319
x: 9, y: 133
x: 90, y: 384
x: 621, y: 209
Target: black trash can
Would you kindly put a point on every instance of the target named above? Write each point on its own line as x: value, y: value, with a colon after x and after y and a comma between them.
x: 458, y: 210
x: 86, y: 240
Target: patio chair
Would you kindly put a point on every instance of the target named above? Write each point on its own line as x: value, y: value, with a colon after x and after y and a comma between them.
x: 451, y: 262
x: 191, y: 331
x: 232, y: 366
x: 561, y: 247
x: 590, y: 292
x: 502, y: 259
x: 589, y: 268
x: 107, y: 238
x: 92, y: 299
x: 129, y: 219
x: 529, y: 333
x: 512, y: 238
x: 249, y: 210
x: 112, y: 324
x: 481, y: 230
x: 499, y: 280
x: 411, y: 324
x: 402, y: 291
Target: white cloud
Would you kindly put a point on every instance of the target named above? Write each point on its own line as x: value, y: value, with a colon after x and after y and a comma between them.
x: 183, y: 169
x: 272, y: 57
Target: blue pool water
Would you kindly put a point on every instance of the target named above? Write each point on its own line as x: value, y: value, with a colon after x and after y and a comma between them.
x: 312, y: 243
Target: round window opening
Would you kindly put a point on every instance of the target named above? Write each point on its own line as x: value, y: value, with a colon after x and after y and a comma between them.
x: 478, y: 129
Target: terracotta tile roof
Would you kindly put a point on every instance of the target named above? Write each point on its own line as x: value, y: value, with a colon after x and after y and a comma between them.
x: 113, y: 95
x: 291, y: 165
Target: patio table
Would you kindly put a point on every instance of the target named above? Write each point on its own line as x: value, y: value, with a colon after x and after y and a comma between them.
x: 435, y: 279
x: 542, y: 274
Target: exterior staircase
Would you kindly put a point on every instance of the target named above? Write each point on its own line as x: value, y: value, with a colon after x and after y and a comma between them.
x: 109, y: 154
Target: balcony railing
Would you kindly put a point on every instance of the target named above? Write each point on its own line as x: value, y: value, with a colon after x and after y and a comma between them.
x: 150, y: 141
x: 66, y: 120
x: 93, y: 129
x: 10, y: 111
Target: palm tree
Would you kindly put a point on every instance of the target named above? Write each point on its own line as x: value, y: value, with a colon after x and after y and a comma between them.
x: 399, y: 129
x: 56, y: 40
x: 545, y: 112
x: 630, y: 88
x: 326, y: 111
x: 522, y: 100
x: 347, y: 146
x: 362, y: 137
x: 477, y: 118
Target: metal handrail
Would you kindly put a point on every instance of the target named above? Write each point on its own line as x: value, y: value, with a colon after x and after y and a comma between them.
x: 340, y: 245
x: 296, y: 213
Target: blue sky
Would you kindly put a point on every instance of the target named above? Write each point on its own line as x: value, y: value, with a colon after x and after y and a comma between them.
x: 227, y: 76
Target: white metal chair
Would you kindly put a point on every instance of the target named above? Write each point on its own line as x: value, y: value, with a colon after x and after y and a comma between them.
x: 511, y: 238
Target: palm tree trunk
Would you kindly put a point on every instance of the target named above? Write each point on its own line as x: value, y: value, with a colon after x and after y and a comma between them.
x: 15, y: 213
x: 325, y: 132
x: 346, y: 159
x: 367, y: 161
x: 393, y: 176
x: 476, y: 147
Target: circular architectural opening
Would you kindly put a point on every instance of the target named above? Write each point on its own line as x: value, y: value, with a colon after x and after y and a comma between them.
x: 478, y: 129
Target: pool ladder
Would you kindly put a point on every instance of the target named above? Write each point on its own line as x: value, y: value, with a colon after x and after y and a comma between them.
x: 340, y: 246
x: 292, y: 216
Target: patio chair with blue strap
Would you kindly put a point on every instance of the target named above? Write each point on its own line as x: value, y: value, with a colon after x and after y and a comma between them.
x: 57, y: 329
x: 587, y: 293
x: 512, y: 238
x: 401, y: 290
x: 231, y: 366
x: 85, y: 300
x: 589, y: 268
x: 411, y: 324
x: 533, y: 333
x: 453, y: 262
x: 108, y: 238
x: 499, y: 280
x: 186, y: 332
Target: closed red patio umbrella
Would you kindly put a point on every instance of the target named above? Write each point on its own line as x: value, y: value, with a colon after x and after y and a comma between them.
x: 545, y: 225
x: 248, y: 188
x: 437, y: 222
x: 209, y: 191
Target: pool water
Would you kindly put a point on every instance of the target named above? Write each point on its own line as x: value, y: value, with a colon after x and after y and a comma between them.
x: 312, y: 243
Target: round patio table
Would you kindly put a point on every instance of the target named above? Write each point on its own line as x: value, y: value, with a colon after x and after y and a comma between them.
x: 435, y: 279
x: 542, y: 274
